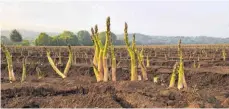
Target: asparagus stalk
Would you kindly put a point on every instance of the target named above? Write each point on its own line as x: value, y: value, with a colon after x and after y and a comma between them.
x: 141, y: 63
x: 194, y: 64
x: 105, y: 66
x: 224, y: 54
x: 96, y: 47
x: 143, y: 68
x: 113, y: 62
x: 173, y: 76
x: 10, y: 63
x: 39, y: 73
x: 181, y: 76
x: 96, y: 73
x: 23, y: 70
x: 131, y: 52
x: 147, y: 61
x: 101, y: 51
x: 54, y: 66
x: 59, y: 56
x: 69, y: 63
x: 96, y: 58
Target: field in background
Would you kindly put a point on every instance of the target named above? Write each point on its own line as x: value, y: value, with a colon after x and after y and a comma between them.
x: 207, y: 81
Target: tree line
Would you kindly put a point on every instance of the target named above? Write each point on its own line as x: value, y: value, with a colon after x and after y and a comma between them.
x: 81, y: 38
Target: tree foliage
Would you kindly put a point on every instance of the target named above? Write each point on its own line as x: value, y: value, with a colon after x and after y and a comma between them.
x: 63, y: 39
x: 84, y: 38
x: 68, y: 38
x: 55, y: 41
x: 15, y: 36
x: 25, y: 43
x: 102, y: 36
x: 43, y: 40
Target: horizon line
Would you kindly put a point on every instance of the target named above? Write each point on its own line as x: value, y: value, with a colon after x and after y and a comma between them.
x: 114, y: 33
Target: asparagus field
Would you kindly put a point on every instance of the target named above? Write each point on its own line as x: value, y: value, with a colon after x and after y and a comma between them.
x: 37, y: 83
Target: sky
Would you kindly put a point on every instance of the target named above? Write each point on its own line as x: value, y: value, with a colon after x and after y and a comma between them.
x: 167, y: 18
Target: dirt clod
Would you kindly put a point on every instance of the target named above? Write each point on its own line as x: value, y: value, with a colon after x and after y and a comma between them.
x: 172, y: 96
x: 165, y: 93
x: 194, y: 105
x: 225, y: 103
x: 171, y: 103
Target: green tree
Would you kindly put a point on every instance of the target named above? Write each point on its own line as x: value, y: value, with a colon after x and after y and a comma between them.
x: 102, y: 36
x: 68, y: 38
x: 55, y: 41
x: 84, y: 38
x: 25, y: 43
x: 43, y: 40
x: 15, y: 36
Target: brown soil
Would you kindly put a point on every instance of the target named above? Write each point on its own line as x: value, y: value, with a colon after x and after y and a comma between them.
x: 208, y: 86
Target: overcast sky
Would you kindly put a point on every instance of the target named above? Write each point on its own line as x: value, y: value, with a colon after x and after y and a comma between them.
x: 149, y: 17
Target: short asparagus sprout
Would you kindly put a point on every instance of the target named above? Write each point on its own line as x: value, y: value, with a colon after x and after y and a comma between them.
x: 194, y: 64
x: 173, y: 76
x: 224, y: 54
x: 141, y: 62
x: 74, y: 59
x: 147, y: 61
x: 39, y: 73
x: 113, y: 62
x: 155, y: 79
x: 59, y: 56
x: 23, y: 70
x: 10, y: 63
x: 198, y: 65
x: 166, y: 58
